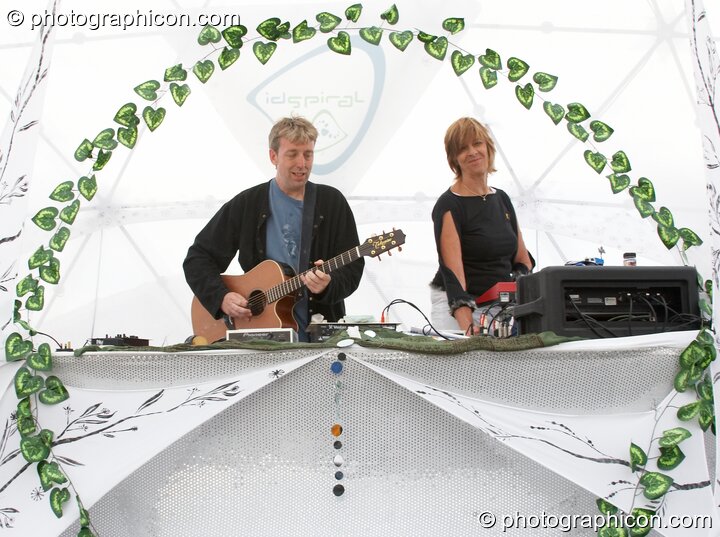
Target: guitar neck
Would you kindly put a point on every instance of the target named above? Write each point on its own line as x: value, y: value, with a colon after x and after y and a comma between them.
x: 291, y: 285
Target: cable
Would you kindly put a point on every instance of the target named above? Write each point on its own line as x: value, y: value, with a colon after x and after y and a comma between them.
x: 403, y: 301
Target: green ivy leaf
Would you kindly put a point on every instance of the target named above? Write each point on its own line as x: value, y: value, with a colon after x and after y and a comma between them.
x: 391, y: 15
x: 578, y: 131
x: 656, y: 484
x: 54, y: 392
x: 50, y: 273
x: 645, y: 190
x: 704, y: 389
x: 690, y: 238
x: 706, y: 417
x: 618, y: 183
x: 353, y: 12
x: 88, y: 187
x: 85, y: 532
x: 69, y: 213
x: 25, y: 326
x: 664, y: 217
x: 228, y: 56
x: 63, y: 192
x: 577, y: 113
x: 84, y: 515
x: 670, y: 458
x: 340, y: 44
x: 328, y: 21
x: 39, y: 257
x: 525, y: 95
x: 26, y: 383
x: 148, y: 90
x: 45, y: 218
x: 49, y: 473
x: 27, y: 285
x: 491, y: 59
x: 153, y: 118
x: 303, y: 32
x: 610, y: 531
x: 605, y: 507
x: 488, y: 76
x: 601, y: 131
x: 453, y: 25
x: 554, y: 111
x: 372, y: 35
x: 437, y: 48
x: 16, y: 311
x: 545, y: 81
x: 36, y: 301
x: 176, y: 73
x: 209, y: 34
x: 689, y: 411
x: 203, y: 70
x: 42, y: 359
x: 233, y: 35
x: 102, y: 159
x: 621, y: 164
x: 669, y: 235
x: 638, y: 457
x: 673, y: 437
x: 125, y: 116
x: 26, y: 425
x: 461, y: 62
x: 33, y: 449
x: 16, y: 348
x: 424, y: 37
x: 705, y: 336
x: 105, y: 140
x: 269, y: 29
x: 57, y: 498
x: 264, y: 51
x: 128, y: 137
x: 644, y: 207
x: 401, y: 40
x: 179, y: 93
x: 692, y: 354
x: 518, y: 69
x: 642, y: 522
x: 596, y: 161
x: 84, y: 150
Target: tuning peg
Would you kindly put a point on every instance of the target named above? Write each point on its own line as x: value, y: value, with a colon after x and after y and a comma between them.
x: 389, y: 253
x: 399, y: 248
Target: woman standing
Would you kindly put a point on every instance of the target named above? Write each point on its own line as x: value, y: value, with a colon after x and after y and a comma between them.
x: 477, y: 236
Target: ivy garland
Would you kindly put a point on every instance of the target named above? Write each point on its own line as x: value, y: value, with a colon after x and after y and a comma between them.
x: 32, y: 389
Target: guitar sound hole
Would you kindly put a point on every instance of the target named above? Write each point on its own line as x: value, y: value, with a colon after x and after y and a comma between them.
x: 257, y: 302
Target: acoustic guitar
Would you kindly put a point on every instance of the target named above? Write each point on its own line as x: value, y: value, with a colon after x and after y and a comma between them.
x: 271, y: 294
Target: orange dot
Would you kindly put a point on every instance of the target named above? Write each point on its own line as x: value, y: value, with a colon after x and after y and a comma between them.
x: 336, y: 430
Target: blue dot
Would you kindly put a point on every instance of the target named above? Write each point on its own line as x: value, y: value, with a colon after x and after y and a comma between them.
x: 339, y: 475
x: 336, y: 367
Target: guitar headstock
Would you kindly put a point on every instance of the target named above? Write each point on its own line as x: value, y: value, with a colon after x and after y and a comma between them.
x: 379, y: 244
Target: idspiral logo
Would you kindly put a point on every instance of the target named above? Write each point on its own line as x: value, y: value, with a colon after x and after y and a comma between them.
x: 15, y: 17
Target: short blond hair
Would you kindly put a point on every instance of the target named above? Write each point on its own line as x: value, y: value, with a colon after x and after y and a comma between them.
x: 463, y: 131
x: 296, y: 129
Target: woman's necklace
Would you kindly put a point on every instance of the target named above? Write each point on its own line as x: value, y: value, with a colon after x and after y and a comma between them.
x: 483, y: 196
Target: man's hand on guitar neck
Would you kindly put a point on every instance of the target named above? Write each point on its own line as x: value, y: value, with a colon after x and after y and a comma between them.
x: 235, y: 305
x: 316, y: 280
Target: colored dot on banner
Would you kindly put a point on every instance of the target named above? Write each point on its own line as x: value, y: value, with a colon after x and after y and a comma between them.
x: 336, y: 430
x: 339, y: 475
x: 341, y: 356
x: 337, y: 444
x: 338, y: 490
x: 338, y: 460
x: 336, y: 367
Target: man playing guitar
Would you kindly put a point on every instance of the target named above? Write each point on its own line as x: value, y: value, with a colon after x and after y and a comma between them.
x: 289, y: 220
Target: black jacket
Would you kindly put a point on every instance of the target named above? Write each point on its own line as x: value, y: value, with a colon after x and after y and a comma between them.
x: 239, y: 228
